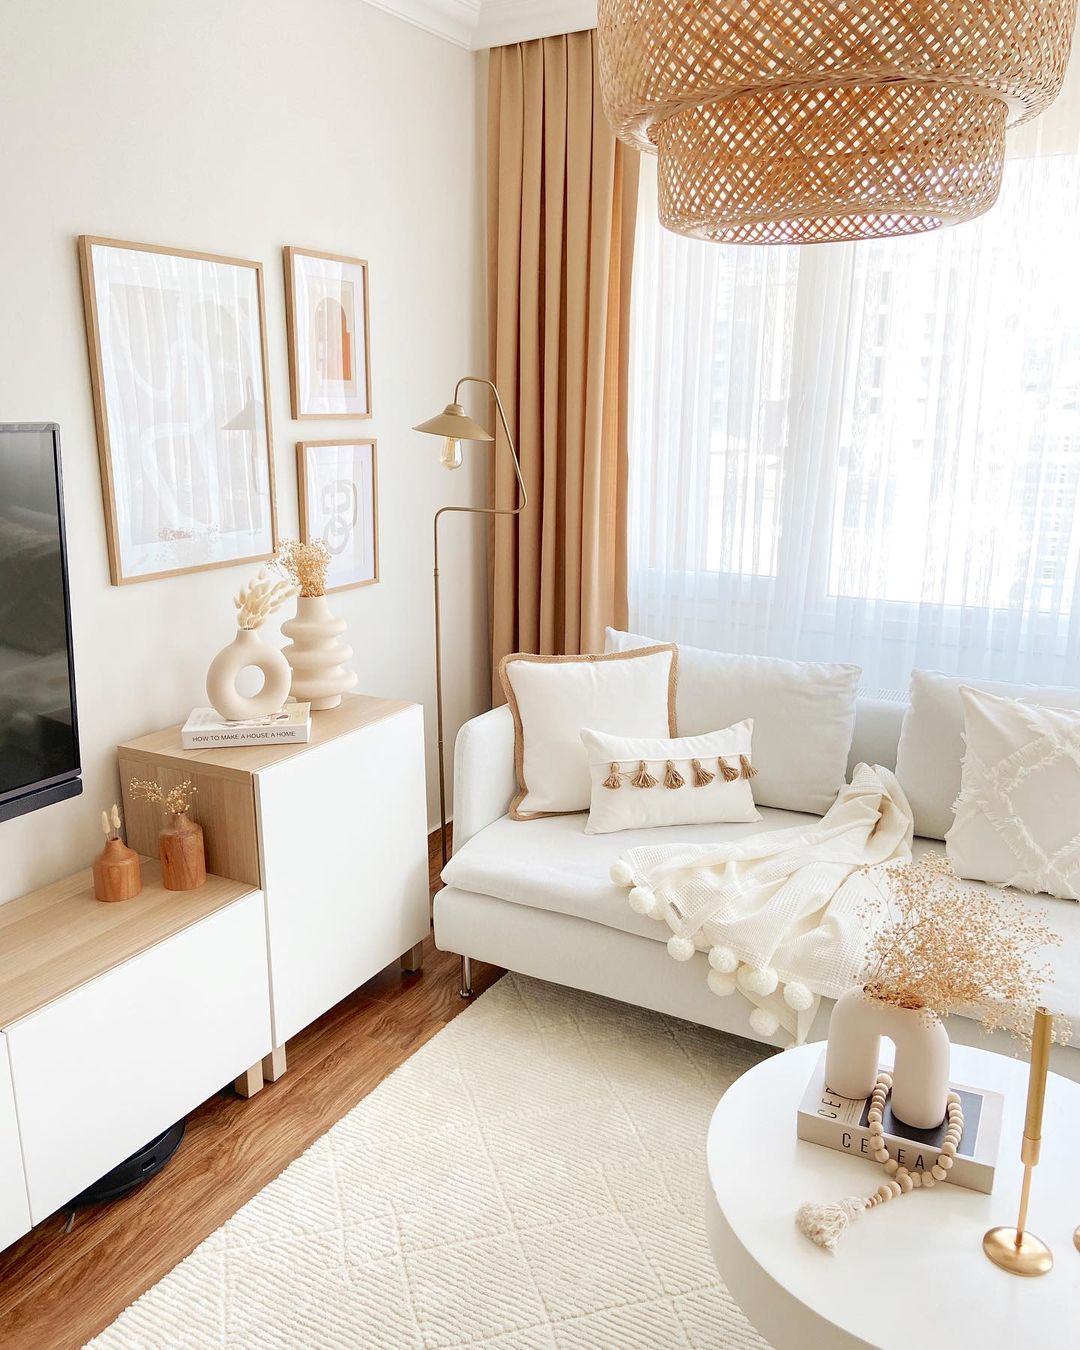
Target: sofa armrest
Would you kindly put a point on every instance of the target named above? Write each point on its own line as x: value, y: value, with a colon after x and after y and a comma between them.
x: 484, y: 777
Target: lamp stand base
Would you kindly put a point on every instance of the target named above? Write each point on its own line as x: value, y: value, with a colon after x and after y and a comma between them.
x: 1029, y: 1256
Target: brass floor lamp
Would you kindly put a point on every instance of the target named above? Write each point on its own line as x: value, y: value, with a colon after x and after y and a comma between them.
x: 455, y: 426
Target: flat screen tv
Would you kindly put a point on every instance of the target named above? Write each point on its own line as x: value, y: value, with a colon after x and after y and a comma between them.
x: 39, y: 736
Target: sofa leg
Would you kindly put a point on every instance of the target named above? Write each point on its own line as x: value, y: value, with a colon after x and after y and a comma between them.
x: 466, y: 977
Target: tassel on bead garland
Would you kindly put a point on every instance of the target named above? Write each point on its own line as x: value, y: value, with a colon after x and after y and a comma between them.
x: 726, y: 771
x: 643, y: 778
x: 672, y: 777
x: 702, y: 776
x: 614, y: 778
x: 826, y: 1224
x: 748, y: 770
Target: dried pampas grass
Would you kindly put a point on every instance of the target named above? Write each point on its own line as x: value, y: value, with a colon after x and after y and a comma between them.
x: 256, y: 601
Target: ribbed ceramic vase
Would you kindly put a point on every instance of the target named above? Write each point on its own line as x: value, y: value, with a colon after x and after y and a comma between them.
x: 921, y: 1072
x: 317, y: 655
x: 247, y: 649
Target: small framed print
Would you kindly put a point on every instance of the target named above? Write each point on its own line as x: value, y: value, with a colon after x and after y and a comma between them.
x: 339, y: 504
x: 326, y: 308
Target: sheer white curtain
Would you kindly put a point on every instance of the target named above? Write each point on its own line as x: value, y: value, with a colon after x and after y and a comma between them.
x: 868, y: 452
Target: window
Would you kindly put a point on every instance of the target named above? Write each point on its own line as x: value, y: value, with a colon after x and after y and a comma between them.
x: 865, y: 452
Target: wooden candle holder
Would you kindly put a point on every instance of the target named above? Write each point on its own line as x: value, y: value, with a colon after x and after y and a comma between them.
x: 117, y: 874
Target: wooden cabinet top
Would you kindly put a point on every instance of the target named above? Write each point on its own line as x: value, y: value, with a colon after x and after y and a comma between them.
x: 354, y: 712
x: 57, y: 938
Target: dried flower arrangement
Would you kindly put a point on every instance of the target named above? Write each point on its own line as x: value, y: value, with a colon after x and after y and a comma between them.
x: 950, y: 947
x: 256, y: 601
x: 306, y: 564
x: 110, y: 822
x: 176, y: 800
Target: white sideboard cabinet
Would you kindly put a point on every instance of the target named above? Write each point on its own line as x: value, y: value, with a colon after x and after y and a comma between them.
x: 116, y: 1020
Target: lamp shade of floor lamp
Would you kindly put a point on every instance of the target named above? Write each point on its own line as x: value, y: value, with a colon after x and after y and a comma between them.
x: 454, y: 426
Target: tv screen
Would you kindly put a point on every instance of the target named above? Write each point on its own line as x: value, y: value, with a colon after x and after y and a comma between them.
x: 39, y: 742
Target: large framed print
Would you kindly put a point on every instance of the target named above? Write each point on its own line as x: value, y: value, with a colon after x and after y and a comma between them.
x: 178, y: 368
x: 339, y: 504
x: 326, y: 309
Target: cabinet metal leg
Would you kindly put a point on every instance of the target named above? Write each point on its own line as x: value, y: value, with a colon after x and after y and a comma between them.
x: 466, y: 977
x: 413, y: 959
x: 250, y: 1081
x: 273, y: 1064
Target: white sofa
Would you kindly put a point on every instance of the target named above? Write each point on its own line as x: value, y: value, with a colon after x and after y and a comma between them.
x: 536, y: 896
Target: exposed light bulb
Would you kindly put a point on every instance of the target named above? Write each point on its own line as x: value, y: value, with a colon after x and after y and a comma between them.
x: 451, y: 453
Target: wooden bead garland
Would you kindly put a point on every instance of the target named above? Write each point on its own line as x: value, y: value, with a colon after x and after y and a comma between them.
x: 824, y: 1224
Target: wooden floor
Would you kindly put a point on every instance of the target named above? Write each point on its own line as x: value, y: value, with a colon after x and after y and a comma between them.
x: 58, y: 1290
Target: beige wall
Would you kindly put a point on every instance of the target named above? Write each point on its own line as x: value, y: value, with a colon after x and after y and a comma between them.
x: 235, y: 127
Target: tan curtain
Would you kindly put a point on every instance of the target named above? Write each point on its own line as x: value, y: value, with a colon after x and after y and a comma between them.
x: 562, y: 195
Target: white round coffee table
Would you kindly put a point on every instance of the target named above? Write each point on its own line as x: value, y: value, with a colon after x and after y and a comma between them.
x: 909, y: 1274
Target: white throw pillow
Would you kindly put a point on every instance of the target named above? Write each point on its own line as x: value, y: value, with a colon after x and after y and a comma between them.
x: 553, y: 697
x: 931, y: 747
x: 803, y: 714
x: 1018, y: 814
x: 641, y: 781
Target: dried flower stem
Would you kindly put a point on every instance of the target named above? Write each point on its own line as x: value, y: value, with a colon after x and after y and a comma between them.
x: 951, y: 947
x: 175, y: 801
x: 306, y: 564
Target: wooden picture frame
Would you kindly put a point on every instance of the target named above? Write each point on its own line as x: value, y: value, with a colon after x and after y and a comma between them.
x: 182, y: 492
x: 329, y: 338
x: 339, y: 492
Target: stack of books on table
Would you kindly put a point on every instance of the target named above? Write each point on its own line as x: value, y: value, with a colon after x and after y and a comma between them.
x: 841, y: 1123
x: 205, y: 729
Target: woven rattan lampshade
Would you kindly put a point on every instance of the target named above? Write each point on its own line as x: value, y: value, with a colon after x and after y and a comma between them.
x: 801, y: 121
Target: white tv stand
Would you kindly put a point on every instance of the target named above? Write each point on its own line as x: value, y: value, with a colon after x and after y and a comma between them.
x: 118, y: 1019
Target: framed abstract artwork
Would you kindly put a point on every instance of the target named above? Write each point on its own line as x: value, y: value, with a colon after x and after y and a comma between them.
x: 178, y: 369
x: 339, y: 504
x: 326, y: 308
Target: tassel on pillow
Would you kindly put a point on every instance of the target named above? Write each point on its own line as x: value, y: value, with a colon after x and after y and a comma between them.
x: 702, y: 776
x: 614, y: 778
x: 672, y: 777
x: 643, y: 778
x: 726, y: 771
x: 748, y: 770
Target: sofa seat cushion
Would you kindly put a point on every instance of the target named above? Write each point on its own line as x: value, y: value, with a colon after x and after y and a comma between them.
x: 553, y: 864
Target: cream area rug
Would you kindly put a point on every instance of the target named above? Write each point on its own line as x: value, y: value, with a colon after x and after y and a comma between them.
x: 533, y: 1177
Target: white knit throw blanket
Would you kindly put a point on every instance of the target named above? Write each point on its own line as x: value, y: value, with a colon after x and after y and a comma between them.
x: 784, y: 915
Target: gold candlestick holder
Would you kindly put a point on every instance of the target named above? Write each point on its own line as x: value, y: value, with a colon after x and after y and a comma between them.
x: 1015, y: 1249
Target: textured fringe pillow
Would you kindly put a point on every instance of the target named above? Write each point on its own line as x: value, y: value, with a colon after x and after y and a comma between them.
x: 1018, y: 814
x: 639, y: 782
x: 553, y: 697
x: 932, y: 741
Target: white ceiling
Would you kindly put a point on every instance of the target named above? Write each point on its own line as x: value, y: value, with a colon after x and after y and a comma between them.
x: 476, y: 24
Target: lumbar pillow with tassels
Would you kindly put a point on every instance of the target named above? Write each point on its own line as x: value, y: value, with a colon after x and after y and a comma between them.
x: 641, y: 781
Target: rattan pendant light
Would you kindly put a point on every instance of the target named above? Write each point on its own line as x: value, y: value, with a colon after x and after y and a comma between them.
x: 802, y: 121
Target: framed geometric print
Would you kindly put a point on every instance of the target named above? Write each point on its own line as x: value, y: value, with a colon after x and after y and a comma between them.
x: 326, y: 307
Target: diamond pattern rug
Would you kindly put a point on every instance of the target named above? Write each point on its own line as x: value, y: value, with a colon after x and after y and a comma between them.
x: 533, y: 1177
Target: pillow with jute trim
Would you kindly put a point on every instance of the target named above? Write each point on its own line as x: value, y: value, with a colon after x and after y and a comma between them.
x: 553, y: 697
x: 639, y: 782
